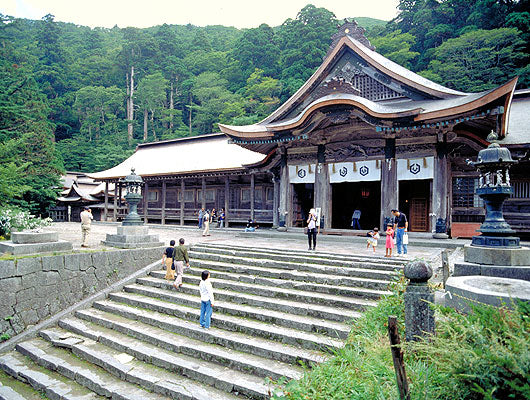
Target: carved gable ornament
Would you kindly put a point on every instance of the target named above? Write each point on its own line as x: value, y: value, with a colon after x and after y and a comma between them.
x: 351, y: 29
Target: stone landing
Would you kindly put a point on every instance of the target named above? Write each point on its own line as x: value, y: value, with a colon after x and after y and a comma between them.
x: 24, y: 243
x: 130, y: 237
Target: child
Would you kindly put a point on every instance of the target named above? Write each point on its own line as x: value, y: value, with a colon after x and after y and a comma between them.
x: 372, y: 239
x: 206, y: 291
x: 389, y: 241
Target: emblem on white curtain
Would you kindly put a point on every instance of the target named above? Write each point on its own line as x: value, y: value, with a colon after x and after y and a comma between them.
x: 354, y: 171
x: 364, y: 170
x: 302, y: 173
x: 415, y: 168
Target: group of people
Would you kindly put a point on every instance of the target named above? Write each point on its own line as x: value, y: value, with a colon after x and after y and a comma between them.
x: 207, y: 217
x: 396, y: 235
x: 173, y: 259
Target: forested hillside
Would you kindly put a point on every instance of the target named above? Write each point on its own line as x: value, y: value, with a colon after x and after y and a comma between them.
x: 80, y: 99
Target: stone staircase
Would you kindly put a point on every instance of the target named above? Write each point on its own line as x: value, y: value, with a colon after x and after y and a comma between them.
x: 275, y: 312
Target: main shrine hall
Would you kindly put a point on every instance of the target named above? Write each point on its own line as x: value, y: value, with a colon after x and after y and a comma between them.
x: 363, y: 133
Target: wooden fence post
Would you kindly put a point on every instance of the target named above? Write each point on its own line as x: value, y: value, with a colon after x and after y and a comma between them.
x: 397, y: 357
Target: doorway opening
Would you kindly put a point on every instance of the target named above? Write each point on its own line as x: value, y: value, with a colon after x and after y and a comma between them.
x: 414, y: 196
x: 350, y: 196
x: 303, y: 196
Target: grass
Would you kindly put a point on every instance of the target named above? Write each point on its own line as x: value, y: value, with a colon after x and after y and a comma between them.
x: 483, y: 355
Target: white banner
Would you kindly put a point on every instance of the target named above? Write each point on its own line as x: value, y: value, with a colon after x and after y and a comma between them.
x: 302, y: 173
x: 415, y: 168
x: 357, y: 171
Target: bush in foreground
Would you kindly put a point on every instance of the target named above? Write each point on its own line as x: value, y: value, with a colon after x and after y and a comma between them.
x: 483, y: 355
x: 15, y: 220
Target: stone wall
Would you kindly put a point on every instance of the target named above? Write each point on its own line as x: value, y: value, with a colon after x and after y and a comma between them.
x: 35, y: 288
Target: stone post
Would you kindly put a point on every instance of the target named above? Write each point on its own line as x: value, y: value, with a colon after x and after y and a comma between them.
x: 419, y: 317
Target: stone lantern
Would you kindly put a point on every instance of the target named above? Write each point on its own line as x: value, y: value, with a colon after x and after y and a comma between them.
x: 494, y: 188
x: 133, y: 186
x: 133, y: 233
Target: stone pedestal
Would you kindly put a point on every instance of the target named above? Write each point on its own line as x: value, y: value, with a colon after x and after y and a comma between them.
x: 491, y: 290
x: 132, y: 236
x: 23, y: 243
x: 502, y: 262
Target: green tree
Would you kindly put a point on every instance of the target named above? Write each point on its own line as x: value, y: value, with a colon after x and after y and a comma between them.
x: 152, y: 98
x: 478, y: 60
x: 396, y: 47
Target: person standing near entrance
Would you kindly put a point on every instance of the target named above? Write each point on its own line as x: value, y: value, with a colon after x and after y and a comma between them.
x: 401, y: 226
x: 201, y: 216
x: 86, y: 222
x: 206, y: 223
x: 312, y: 227
x: 355, y: 219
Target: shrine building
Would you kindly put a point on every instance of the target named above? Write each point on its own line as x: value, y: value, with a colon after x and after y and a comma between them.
x: 362, y: 133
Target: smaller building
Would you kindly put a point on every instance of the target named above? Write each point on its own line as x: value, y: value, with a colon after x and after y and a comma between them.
x: 80, y: 191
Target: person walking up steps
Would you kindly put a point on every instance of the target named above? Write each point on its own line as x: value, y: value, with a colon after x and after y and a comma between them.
x: 168, y: 261
x: 206, y: 291
x: 181, y: 257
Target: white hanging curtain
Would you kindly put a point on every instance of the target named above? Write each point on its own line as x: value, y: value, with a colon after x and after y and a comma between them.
x: 357, y: 171
x: 415, y: 168
x: 302, y: 173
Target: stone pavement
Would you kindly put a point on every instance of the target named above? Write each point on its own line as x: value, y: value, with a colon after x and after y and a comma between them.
x: 294, y: 240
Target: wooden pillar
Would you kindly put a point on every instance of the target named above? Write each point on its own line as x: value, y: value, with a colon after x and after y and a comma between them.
x: 163, y: 216
x: 440, y: 189
x: 115, y: 210
x: 252, y: 194
x: 322, y: 188
x: 276, y: 200
x: 227, y: 199
x: 182, y: 189
x: 285, y: 204
x: 389, y: 182
x: 106, y: 209
x: 203, y: 193
x: 146, y: 189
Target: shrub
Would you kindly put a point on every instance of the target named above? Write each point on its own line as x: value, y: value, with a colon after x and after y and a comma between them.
x: 483, y: 355
x: 15, y: 220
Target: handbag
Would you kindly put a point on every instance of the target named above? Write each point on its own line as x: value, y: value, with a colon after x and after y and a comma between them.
x: 406, y: 238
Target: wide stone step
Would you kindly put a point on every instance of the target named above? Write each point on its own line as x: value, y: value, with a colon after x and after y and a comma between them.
x: 52, y: 384
x: 111, y: 346
x: 263, y: 265
x: 87, y: 374
x: 305, y: 296
x: 293, y: 307
x: 232, y: 340
x: 151, y: 287
x: 323, y: 258
x: 193, y: 276
x: 106, y: 323
x: 256, y: 328
x: 283, y: 277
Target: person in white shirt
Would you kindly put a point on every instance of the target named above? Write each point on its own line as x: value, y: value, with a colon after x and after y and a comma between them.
x: 206, y: 291
x: 312, y: 227
x: 372, y: 238
x: 206, y: 223
x: 86, y: 221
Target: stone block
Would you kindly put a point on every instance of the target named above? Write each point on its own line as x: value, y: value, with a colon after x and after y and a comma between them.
x: 10, y: 285
x: 72, y: 262
x: 28, y: 265
x: 7, y: 268
x: 501, y: 271
x: 497, y: 256
x: 30, y: 280
x: 34, y: 248
x: 132, y: 230
x: 100, y: 259
x: 34, y: 237
x: 53, y: 263
x: 85, y: 261
x: 7, y: 302
x: 51, y: 278
x: 465, y: 268
x: 29, y: 317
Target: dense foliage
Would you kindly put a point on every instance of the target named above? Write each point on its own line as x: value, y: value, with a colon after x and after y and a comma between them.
x: 83, y: 98
x: 483, y: 355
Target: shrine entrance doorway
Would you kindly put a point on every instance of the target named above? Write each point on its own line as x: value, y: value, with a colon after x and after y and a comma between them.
x: 349, y: 196
x: 414, y: 201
